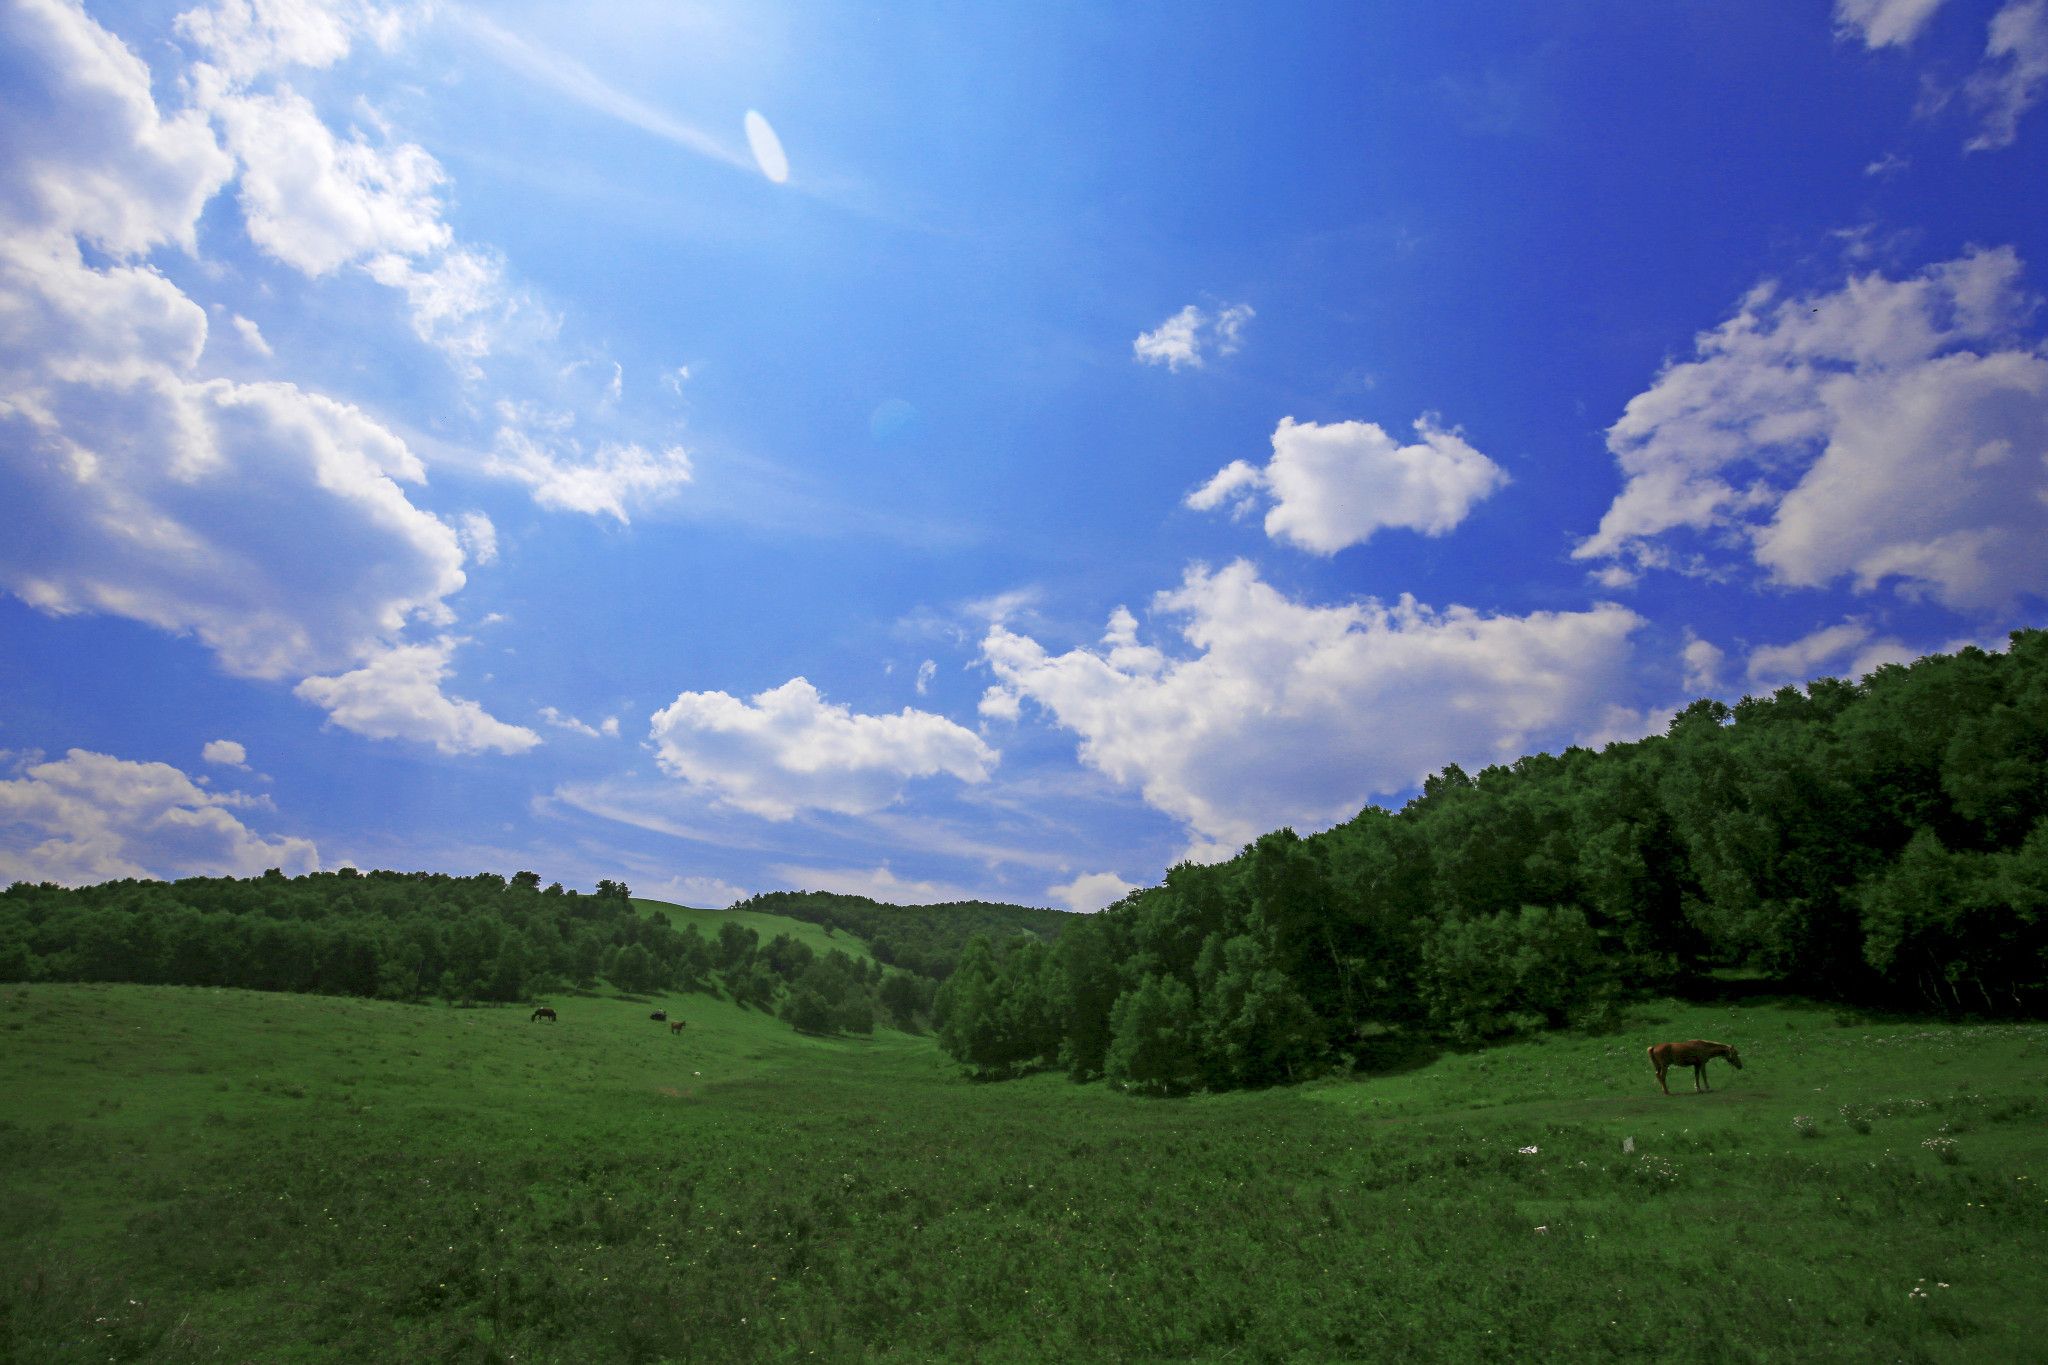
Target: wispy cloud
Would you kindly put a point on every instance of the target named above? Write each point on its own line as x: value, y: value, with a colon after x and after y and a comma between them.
x: 570, y: 77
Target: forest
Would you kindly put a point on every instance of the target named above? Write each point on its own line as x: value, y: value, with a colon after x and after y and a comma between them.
x: 1883, y: 843
x: 417, y: 935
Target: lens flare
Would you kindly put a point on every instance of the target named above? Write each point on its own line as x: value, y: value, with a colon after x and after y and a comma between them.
x: 767, y: 148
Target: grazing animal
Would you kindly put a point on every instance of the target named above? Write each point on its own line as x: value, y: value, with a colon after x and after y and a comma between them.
x: 675, y: 1030
x: 1695, y: 1054
x: 659, y: 1016
x: 543, y: 1013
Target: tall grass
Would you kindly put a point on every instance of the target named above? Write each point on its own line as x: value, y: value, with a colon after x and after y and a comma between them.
x: 213, y: 1175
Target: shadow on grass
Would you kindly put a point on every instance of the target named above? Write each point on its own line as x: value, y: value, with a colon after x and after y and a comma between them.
x: 1393, y: 1055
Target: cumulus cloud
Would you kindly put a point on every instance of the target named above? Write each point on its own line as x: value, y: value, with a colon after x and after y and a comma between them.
x: 788, y: 749
x: 1703, y: 660
x: 225, y: 753
x: 88, y: 152
x: 1192, y: 335
x: 2014, y: 71
x: 397, y: 695
x: 1091, y: 891
x: 317, y: 202
x: 270, y: 522
x: 1289, y: 713
x: 1332, y: 485
x: 90, y: 817
x: 1883, y: 23
x: 1849, y: 647
x: 243, y: 39
x: 605, y: 481
x: 1888, y: 432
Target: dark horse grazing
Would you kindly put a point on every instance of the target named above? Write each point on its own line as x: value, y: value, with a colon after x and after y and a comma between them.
x: 543, y: 1013
x: 659, y: 1016
x: 675, y: 1030
x: 1695, y: 1054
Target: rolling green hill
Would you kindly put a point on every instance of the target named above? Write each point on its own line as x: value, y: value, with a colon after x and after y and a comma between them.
x: 206, y: 1174
x: 764, y: 924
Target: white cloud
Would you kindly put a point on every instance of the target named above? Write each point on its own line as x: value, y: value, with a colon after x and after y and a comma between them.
x: 1618, y: 724
x: 608, y: 728
x: 397, y: 695
x: 926, y: 671
x: 1848, y: 649
x: 704, y: 893
x: 1091, y: 891
x: 252, y: 336
x: 1190, y: 336
x: 1803, y: 658
x: 1228, y: 328
x: 226, y: 753
x: 2014, y: 71
x: 1884, y: 23
x: 876, y: 883
x: 87, y: 151
x: 606, y: 481
x: 459, y: 303
x: 1703, y: 660
x: 90, y: 817
x: 316, y: 202
x: 268, y: 521
x: 1289, y: 713
x: 788, y: 749
x: 1890, y: 431
x: 479, y: 537
x: 247, y: 38
x: 1333, y: 485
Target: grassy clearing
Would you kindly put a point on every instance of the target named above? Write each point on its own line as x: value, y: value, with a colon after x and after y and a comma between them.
x: 202, y: 1175
x: 766, y: 925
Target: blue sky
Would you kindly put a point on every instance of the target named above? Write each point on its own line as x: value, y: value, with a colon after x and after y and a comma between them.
x: 946, y: 450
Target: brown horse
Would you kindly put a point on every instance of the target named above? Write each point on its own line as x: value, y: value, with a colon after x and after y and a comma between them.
x: 675, y: 1030
x: 543, y: 1013
x: 1695, y: 1054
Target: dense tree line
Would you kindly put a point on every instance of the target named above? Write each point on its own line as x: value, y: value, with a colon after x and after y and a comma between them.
x: 419, y: 936
x: 924, y: 939
x: 1885, y: 841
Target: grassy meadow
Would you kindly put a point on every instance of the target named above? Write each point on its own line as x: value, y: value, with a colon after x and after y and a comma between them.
x: 199, y: 1175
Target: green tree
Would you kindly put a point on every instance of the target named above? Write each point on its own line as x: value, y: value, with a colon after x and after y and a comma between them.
x: 1152, y: 1046
x: 1255, y: 1028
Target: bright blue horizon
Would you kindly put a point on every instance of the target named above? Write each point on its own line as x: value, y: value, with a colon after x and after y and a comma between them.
x: 456, y: 412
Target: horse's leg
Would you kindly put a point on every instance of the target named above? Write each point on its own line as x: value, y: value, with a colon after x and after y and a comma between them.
x: 1699, y: 1077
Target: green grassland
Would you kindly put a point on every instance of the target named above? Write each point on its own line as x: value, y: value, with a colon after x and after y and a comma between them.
x: 222, y: 1175
x: 766, y: 926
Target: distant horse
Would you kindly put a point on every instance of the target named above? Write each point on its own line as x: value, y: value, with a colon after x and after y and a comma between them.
x: 1695, y: 1054
x: 543, y: 1013
x: 659, y: 1016
x: 675, y: 1030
